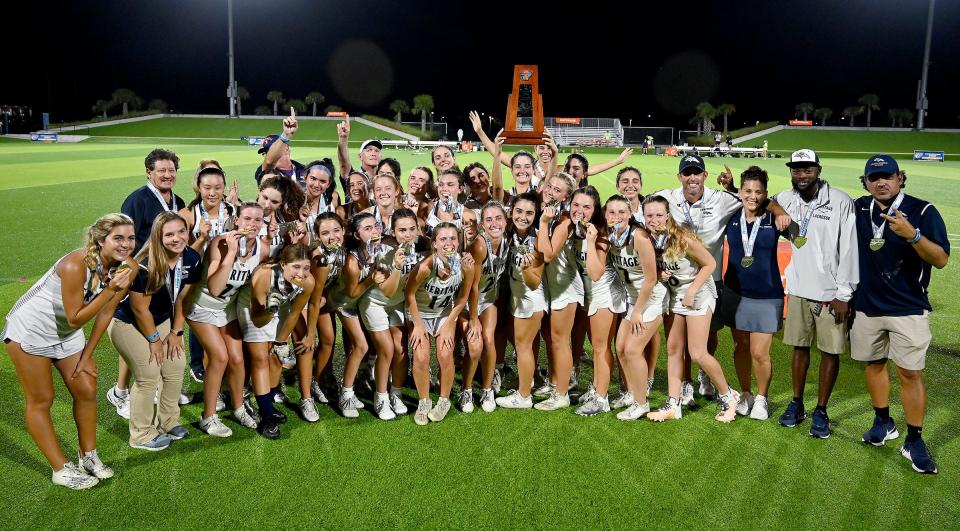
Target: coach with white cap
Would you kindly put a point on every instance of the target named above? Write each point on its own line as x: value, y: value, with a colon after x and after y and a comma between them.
x: 821, y: 278
x: 901, y: 237
x: 369, y: 155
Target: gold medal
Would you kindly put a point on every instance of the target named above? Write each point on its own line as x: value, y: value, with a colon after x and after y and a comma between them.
x: 876, y: 244
x: 746, y: 261
x: 800, y: 241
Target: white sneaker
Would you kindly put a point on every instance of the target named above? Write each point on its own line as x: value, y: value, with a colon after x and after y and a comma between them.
x: 488, y: 401
x: 728, y: 406
x: 309, y: 410
x: 318, y: 393
x: 440, y: 410
x: 215, y: 427
x: 73, y: 476
x: 624, y: 400
x: 381, y: 406
x: 634, y: 412
x: 745, y: 404
x: 280, y: 396
x: 185, y: 399
x: 244, y: 418
x: 761, y: 409
x: 706, y: 386
x: 396, y: 403
x: 555, y: 402
x: 221, y: 404
x: 686, y: 394
x: 497, y: 380
x: 421, y: 417
x: 595, y: 406
x: 465, y: 400
x: 120, y: 400
x: 588, y: 396
x: 671, y: 410
x: 349, y: 405
x: 544, y: 390
x: 92, y: 464
x: 515, y: 401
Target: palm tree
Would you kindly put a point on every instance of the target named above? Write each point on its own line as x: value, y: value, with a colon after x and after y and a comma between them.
x: 101, y: 107
x: 423, y: 104
x: 262, y: 110
x: 726, y: 109
x: 852, y: 113
x: 298, y: 105
x: 157, y: 104
x: 705, y: 113
x: 869, y: 101
x: 822, y: 114
x: 242, y: 94
x: 276, y: 97
x: 125, y: 97
x: 899, y: 117
x: 803, y: 109
x: 314, y: 99
x: 399, y: 107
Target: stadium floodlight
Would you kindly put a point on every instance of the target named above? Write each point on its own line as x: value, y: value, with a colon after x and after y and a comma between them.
x: 922, y: 89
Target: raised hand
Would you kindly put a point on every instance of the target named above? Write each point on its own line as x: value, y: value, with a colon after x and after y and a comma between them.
x: 290, y: 125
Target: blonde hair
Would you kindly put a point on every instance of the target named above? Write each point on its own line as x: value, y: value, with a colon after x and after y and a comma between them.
x: 568, y: 180
x: 156, y: 254
x: 678, y: 236
x: 96, y: 233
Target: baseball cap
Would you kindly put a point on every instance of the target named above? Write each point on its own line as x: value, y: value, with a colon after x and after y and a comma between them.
x: 881, y: 164
x: 372, y: 142
x: 803, y: 157
x: 267, y: 142
x: 692, y: 161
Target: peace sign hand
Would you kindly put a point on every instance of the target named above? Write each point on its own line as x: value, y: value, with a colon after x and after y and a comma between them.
x: 900, y: 225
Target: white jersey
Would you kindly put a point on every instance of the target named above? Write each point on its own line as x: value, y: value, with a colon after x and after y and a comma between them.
x: 276, y: 243
x: 338, y: 297
x: 626, y: 262
x: 279, y: 295
x: 218, y: 226
x: 433, y: 220
x: 826, y: 266
x: 682, y: 273
x: 239, y: 277
x: 523, y: 301
x: 39, y: 318
x: 707, y: 217
x: 608, y: 292
x: 494, y: 264
x: 435, y: 297
x: 376, y: 296
x: 564, y: 284
x: 322, y: 207
x: 385, y: 222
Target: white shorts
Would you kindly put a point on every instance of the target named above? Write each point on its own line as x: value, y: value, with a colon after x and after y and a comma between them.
x: 56, y: 348
x: 706, y: 299
x: 431, y: 324
x: 377, y: 318
x: 606, y: 295
x: 655, y: 307
x: 525, y: 304
x: 218, y: 318
x: 266, y: 334
x: 484, y: 306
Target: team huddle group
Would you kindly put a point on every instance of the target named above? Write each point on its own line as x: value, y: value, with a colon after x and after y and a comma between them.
x: 458, y: 265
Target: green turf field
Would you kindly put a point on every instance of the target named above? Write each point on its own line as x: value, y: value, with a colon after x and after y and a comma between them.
x: 866, y: 142
x: 508, y: 469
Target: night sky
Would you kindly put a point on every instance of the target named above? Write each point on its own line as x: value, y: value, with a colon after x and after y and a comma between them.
x: 596, y: 59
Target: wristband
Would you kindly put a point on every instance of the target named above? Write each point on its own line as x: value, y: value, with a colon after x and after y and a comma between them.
x: 284, y: 139
x: 916, y: 237
x: 154, y: 337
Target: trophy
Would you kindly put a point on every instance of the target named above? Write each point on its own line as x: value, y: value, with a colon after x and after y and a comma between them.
x: 524, y: 122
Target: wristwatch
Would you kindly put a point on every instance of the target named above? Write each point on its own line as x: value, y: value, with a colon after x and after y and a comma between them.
x: 179, y: 333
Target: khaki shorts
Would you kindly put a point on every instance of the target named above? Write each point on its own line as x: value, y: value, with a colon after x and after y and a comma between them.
x: 803, y: 323
x: 903, y: 339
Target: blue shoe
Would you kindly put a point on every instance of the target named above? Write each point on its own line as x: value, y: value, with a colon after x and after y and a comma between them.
x: 820, y: 426
x: 918, y: 455
x: 177, y: 432
x: 793, y: 415
x: 881, y: 432
x: 160, y: 442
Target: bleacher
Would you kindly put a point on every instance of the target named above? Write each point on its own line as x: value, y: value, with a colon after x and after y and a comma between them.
x: 583, y: 131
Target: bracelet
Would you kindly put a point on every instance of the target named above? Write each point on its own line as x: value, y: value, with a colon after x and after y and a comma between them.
x: 284, y: 139
x: 916, y: 237
x: 154, y: 337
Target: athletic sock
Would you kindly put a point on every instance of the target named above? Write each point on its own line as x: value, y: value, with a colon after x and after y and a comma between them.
x: 913, y: 433
x: 396, y: 391
x: 883, y: 412
x: 121, y: 392
x: 265, y: 402
x: 798, y: 399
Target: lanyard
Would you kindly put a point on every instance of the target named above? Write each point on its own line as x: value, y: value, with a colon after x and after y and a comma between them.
x: 221, y: 218
x: 878, y: 229
x: 660, y: 241
x: 174, y: 290
x: 805, y: 215
x: 621, y: 240
x: 688, y: 215
x: 748, y: 237
x: 159, y: 196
